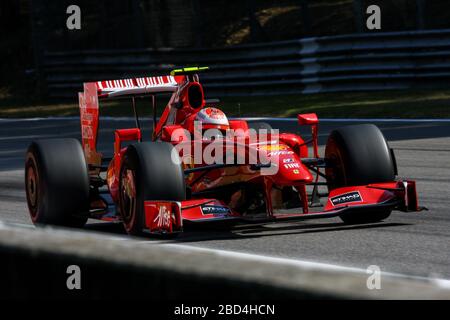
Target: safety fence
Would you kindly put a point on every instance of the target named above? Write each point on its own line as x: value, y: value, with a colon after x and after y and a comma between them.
x: 359, y: 62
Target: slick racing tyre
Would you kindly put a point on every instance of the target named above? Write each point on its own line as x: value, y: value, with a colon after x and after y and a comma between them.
x: 359, y: 155
x: 57, y: 183
x: 260, y: 125
x: 147, y: 173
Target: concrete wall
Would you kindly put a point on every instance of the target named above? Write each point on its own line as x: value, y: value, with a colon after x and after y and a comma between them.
x: 34, y: 264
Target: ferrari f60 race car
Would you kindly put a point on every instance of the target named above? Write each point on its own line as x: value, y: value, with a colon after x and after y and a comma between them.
x: 199, y: 167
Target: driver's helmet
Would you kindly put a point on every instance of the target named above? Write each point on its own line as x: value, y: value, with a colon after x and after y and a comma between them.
x: 214, y: 121
x: 213, y: 118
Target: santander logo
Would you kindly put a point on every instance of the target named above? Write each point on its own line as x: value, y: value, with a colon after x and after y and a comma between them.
x: 162, y: 220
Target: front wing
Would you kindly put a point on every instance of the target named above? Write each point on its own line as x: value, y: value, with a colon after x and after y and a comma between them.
x: 166, y: 217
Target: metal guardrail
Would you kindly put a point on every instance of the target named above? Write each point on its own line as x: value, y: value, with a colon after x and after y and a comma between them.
x: 360, y: 62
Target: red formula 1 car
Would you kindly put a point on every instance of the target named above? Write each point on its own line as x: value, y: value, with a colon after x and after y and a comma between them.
x: 160, y: 183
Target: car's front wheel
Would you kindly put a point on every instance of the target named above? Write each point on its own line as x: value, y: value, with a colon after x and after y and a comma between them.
x: 359, y: 155
x: 147, y: 173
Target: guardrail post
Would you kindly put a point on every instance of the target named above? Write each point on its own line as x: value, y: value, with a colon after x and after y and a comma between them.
x: 304, y: 7
x: 37, y: 40
x: 138, y: 21
x: 420, y: 6
x: 256, y: 32
x: 358, y: 12
x: 198, y: 23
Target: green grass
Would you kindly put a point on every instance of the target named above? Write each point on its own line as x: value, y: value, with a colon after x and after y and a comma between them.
x: 392, y: 104
x: 389, y: 104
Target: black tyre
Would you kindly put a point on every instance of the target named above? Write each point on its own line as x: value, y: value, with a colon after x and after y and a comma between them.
x: 359, y: 155
x: 260, y: 125
x: 57, y: 183
x: 147, y: 173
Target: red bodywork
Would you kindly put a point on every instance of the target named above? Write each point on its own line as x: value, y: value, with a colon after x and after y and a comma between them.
x: 290, y: 152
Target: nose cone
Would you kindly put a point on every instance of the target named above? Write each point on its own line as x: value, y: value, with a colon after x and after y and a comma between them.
x: 290, y: 167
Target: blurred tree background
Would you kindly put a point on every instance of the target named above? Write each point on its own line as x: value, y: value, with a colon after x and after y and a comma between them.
x: 31, y: 27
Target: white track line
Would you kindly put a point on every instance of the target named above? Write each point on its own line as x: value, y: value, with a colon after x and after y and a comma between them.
x: 348, y: 120
x: 312, y: 265
x: 7, y: 225
x: 107, y: 118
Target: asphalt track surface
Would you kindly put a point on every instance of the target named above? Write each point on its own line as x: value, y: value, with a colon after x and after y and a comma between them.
x: 416, y: 244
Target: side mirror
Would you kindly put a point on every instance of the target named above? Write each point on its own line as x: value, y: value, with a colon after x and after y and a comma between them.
x: 308, y: 119
x: 312, y: 120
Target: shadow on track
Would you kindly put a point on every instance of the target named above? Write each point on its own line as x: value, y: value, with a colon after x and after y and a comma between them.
x: 199, y: 234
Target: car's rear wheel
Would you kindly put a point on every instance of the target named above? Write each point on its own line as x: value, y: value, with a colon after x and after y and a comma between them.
x: 147, y: 173
x: 57, y: 183
x: 259, y: 126
x: 359, y: 155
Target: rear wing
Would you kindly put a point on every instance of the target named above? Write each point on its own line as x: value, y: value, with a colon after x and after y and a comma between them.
x: 93, y: 91
x: 138, y: 86
x: 147, y: 85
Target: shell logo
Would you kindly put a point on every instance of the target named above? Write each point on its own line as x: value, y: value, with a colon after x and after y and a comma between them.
x: 273, y: 147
